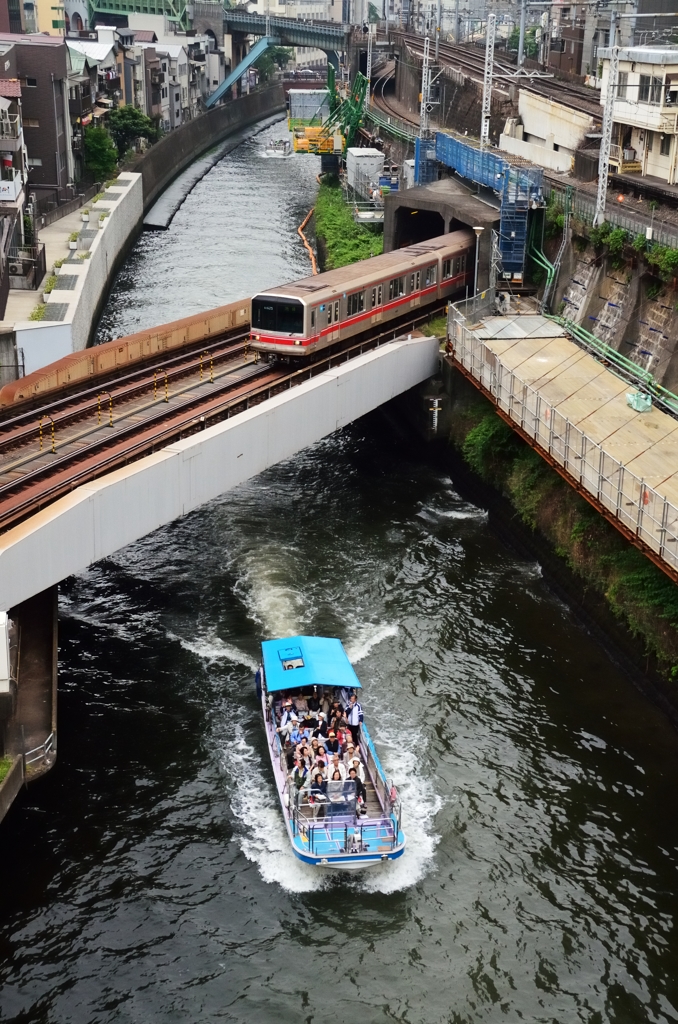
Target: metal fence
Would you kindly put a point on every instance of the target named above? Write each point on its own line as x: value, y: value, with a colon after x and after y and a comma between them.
x: 638, y: 507
x: 584, y: 209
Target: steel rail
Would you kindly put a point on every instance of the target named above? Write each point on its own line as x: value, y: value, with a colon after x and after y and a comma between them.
x: 192, y: 417
x: 150, y: 363
x: 73, y: 412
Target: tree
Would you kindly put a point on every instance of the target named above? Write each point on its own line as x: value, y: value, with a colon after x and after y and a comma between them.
x: 373, y: 13
x: 127, y: 124
x: 265, y: 65
x: 282, y: 55
x: 531, y: 48
x: 101, y: 156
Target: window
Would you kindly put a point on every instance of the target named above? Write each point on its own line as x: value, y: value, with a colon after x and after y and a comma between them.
x: 622, y: 85
x: 31, y: 122
x: 336, y: 312
x: 431, y: 275
x: 650, y: 89
x: 312, y: 318
x: 665, y: 145
x: 176, y: 97
x: 376, y: 296
x: 329, y: 312
x: 650, y: 139
x: 272, y: 314
x: 355, y: 303
x: 34, y: 161
x: 396, y: 287
x: 447, y: 269
x: 414, y: 282
x: 60, y: 125
x: 32, y: 82
x: 164, y: 94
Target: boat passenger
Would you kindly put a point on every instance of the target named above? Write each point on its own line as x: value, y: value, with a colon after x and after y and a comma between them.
x: 318, y: 795
x: 299, y: 773
x: 322, y: 754
x: 360, y: 791
x: 335, y: 766
x: 313, y: 703
x: 288, y: 720
x: 332, y: 744
x: 321, y: 729
x: 354, y: 717
x: 296, y: 736
x: 357, y: 764
x: 348, y: 756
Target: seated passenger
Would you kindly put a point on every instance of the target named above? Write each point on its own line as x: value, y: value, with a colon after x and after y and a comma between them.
x: 357, y: 764
x: 296, y: 735
x: 299, y: 773
x: 335, y: 765
x: 288, y: 721
x: 350, y: 753
x: 321, y: 729
x: 318, y: 795
x: 332, y: 744
x: 322, y: 754
x: 314, y: 703
x: 360, y: 791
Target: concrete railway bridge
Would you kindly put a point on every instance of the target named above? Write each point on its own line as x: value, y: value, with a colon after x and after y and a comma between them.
x: 108, y: 444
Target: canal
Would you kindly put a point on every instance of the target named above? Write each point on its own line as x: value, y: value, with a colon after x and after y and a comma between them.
x: 148, y: 878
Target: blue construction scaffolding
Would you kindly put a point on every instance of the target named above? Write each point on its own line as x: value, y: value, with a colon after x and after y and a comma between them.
x: 520, y: 189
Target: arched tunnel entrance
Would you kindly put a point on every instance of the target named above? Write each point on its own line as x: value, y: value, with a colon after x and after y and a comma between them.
x: 413, y: 225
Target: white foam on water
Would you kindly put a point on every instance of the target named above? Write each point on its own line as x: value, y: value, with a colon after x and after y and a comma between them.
x: 278, y: 607
x: 213, y: 648
x: 368, y: 636
x: 398, y: 750
x: 255, y: 803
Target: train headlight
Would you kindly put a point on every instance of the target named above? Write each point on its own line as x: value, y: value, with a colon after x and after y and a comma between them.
x: 297, y: 342
x: 254, y: 337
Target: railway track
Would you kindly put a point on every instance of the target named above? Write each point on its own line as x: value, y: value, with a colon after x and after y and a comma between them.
x: 44, y: 459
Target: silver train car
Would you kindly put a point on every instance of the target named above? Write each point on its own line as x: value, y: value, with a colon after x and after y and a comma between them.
x: 297, y: 320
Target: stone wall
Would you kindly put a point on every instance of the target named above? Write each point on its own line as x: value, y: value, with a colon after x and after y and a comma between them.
x: 164, y: 161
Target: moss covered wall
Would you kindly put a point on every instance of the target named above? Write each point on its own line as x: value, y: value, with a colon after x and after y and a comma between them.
x: 638, y: 594
x: 340, y: 240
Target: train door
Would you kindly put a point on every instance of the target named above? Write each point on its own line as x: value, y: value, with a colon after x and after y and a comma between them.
x: 376, y: 296
x: 415, y: 288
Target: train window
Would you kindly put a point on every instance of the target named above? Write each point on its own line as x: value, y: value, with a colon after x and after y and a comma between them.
x: 355, y: 303
x: 274, y: 315
x: 374, y: 297
x: 447, y: 269
x: 312, y: 318
x: 431, y: 275
x: 329, y: 312
x: 414, y: 282
x: 396, y: 287
x: 457, y: 266
x: 463, y: 264
x: 379, y: 295
x: 336, y: 312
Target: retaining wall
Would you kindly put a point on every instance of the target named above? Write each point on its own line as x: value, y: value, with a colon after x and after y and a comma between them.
x: 11, y: 785
x: 168, y: 157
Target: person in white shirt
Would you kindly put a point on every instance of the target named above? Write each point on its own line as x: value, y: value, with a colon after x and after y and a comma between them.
x: 357, y: 764
x: 335, y: 765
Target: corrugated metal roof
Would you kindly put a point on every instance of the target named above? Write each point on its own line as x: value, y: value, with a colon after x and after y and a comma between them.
x: 96, y: 52
x: 10, y: 87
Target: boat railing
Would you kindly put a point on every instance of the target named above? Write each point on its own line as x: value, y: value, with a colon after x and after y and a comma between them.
x: 346, y: 835
x: 386, y: 791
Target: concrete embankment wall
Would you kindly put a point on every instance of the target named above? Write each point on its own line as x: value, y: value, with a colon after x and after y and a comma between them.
x: 164, y: 161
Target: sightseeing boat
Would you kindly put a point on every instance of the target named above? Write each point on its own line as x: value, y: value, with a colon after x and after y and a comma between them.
x: 279, y: 148
x: 339, y: 825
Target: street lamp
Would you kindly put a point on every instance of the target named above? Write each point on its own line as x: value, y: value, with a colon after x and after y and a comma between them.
x: 478, y: 233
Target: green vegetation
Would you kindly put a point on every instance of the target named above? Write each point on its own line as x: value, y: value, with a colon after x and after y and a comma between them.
x: 662, y: 258
x: 39, y: 312
x: 58, y: 264
x: 436, y: 327
x: 531, y: 48
x: 98, y: 196
x: 555, y: 218
x: 101, y: 156
x: 104, y: 215
x: 84, y: 255
x: 373, y: 13
x: 340, y: 240
x: 635, y: 590
x: 5, y: 765
x: 50, y: 284
x: 127, y: 124
x: 73, y: 237
x: 273, y: 59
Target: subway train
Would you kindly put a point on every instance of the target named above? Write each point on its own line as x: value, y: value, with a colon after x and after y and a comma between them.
x: 296, y: 320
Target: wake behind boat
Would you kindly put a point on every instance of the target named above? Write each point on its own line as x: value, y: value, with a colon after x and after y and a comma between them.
x: 349, y: 817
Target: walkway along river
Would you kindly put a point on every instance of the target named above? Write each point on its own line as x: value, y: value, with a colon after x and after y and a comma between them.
x: 148, y: 877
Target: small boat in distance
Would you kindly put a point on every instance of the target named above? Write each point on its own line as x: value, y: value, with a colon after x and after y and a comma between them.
x: 340, y: 823
x: 281, y: 147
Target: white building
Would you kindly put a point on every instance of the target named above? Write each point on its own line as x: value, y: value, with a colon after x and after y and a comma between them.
x: 546, y: 132
x: 645, y: 126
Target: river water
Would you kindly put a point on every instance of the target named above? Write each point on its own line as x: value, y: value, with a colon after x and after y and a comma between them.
x: 148, y: 878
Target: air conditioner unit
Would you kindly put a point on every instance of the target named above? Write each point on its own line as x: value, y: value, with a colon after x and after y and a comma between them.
x: 16, y: 269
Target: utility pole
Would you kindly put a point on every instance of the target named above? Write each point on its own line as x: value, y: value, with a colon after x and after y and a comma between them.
x: 368, y: 69
x: 487, y: 81
x: 608, y: 120
x: 521, y: 40
x: 425, y: 90
x: 438, y: 19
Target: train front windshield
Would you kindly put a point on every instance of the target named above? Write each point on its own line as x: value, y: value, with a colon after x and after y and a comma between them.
x: 283, y: 315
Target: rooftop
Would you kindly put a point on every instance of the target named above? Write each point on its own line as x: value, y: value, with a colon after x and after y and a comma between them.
x: 643, y: 54
x: 300, y: 662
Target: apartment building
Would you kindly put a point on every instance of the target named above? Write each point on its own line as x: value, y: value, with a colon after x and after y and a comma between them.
x: 645, y: 125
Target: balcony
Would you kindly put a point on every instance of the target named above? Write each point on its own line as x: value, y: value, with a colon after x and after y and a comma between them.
x: 624, y: 160
x: 11, y: 134
x: 11, y: 185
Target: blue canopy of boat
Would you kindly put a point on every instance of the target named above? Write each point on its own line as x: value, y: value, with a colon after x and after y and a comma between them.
x: 303, y: 661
